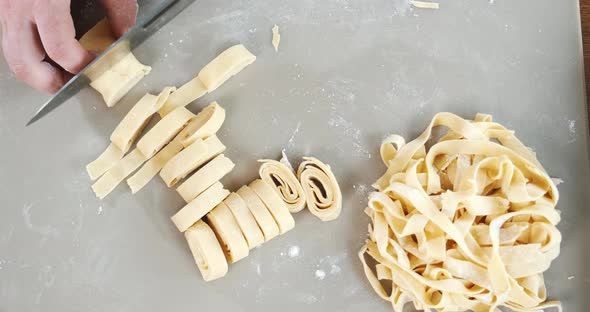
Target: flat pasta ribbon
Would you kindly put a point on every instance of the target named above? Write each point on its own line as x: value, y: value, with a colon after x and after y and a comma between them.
x: 274, y: 204
x: 199, y: 206
x: 263, y: 217
x: 206, y: 250
x: 322, y: 192
x: 232, y: 241
x: 210, y: 173
x: 245, y: 220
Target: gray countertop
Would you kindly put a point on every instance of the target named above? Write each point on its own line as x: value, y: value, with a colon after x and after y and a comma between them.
x: 347, y: 74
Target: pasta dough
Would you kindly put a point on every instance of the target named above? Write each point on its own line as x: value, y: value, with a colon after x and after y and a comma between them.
x: 230, y: 236
x: 245, y: 220
x: 205, y: 124
x: 164, y: 131
x: 187, y: 93
x: 224, y: 66
x: 282, y: 179
x: 274, y: 204
x: 151, y: 168
x: 205, y: 177
x: 105, y: 161
x: 468, y: 224
x: 263, y: 218
x: 190, y: 159
x: 107, y: 183
x: 322, y: 193
x: 276, y: 37
x: 206, y: 251
x: 199, y: 206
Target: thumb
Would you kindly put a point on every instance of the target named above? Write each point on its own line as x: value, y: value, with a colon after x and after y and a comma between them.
x: 122, y: 15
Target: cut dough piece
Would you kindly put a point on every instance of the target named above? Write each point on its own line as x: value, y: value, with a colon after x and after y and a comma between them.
x: 424, y: 5
x: 282, y: 179
x: 225, y: 65
x: 187, y: 93
x: 245, y: 220
x: 206, y: 250
x: 199, y: 206
x: 263, y: 218
x: 276, y: 37
x: 98, y: 38
x: 230, y: 236
x: 103, y: 186
x: 164, y: 131
x: 190, y: 159
x: 205, y: 124
x: 104, y: 162
x: 151, y: 168
x: 324, y: 198
x: 274, y: 204
x: 205, y: 177
x: 137, y: 118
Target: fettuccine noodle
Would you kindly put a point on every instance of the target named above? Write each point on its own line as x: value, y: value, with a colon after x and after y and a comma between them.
x: 468, y: 224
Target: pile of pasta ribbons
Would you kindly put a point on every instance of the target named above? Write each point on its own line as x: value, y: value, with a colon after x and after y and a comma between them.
x: 467, y: 224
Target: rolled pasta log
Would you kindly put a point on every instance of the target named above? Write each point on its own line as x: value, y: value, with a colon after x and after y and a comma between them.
x: 263, y: 218
x: 274, y: 204
x: 230, y: 236
x: 205, y: 124
x: 164, y: 131
x: 199, y: 206
x: 151, y: 168
x: 104, y: 162
x: 282, y: 179
x: 103, y: 186
x: 245, y: 220
x: 190, y: 159
x: 322, y: 192
x: 212, y: 172
x: 206, y: 250
x: 224, y: 66
x: 187, y: 93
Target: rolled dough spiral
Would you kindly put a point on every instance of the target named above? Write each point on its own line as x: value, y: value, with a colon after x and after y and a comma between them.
x: 282, y: 179
x: 206, y: 250
x: 322, y: 193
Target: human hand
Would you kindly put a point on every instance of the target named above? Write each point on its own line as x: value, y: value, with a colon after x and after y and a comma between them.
x: 33, y: 30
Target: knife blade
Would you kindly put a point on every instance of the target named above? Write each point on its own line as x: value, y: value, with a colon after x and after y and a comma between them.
x: 115, y: 52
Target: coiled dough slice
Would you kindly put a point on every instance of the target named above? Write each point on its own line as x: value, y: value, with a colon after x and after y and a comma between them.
x: 107, y: 183
x: 164, y: 131
x: 199, y: 206
x: 187, y: 93
x: 263, y: 218
x: 190, y: 159
x: 104, y: 162
x: 230, y: 236
x: 245, y: 220
x: 282, y: 179
x: 151, y: 168
x: 205, y: 124
x: 225, y: 65
x: 205, y: 177
x: 274, y: 204
x: 206, y: 250
x: 324, y: 198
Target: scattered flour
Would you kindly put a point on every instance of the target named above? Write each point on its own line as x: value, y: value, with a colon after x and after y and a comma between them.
x: 258, y: 270
x: 571, y: 277
x: 99, y: 210
x: 320, y: 274
x: 347, y: 129
x: 292, y: 138
x: 294, y: 251
x: 572, y: 130
x: 335, y: 269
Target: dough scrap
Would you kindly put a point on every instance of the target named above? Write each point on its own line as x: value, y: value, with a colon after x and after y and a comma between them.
x: 164, y: 131
x: 424, y: 4
x: 245, y: 220
x: 107, y: 182
x: 151, y: 168
x: 190, y: 159
x: 225, y: 65
x: 276, y: 37
x: 118, y: 72
x: 263, y: 218
x: 274, y: 204
x: 282, y: 179
x: 199, y: 206
x: 104, y: 162
x: 205, y: 124
x: 210, y: 173
x: 322, y: 192
x: 468, y: 224
x: 228, y: 231
x: 206, y: 251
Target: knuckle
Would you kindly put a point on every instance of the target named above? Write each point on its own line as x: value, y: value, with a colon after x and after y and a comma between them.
x: 20, y: 70
x: 57, y: 52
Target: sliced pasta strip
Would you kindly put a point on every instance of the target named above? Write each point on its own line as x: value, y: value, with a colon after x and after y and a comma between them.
x: 282, y: 179
x: 206, y: 251
x: 274, y: 204
x: 205, y: 124
x: 164, y: 131
x: 151, y: 168
x: 228, y: 231
x: 225, y: 65
x: 199, y: 206
x: 263, y: 218
x: 190, y: 159
x: 245, y: 220
x: 137, y: 118
x: 104, y: 162
x: 212, y: 172
x: 187, y: 93
x: 322, y: 192
x: 107, y: 183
